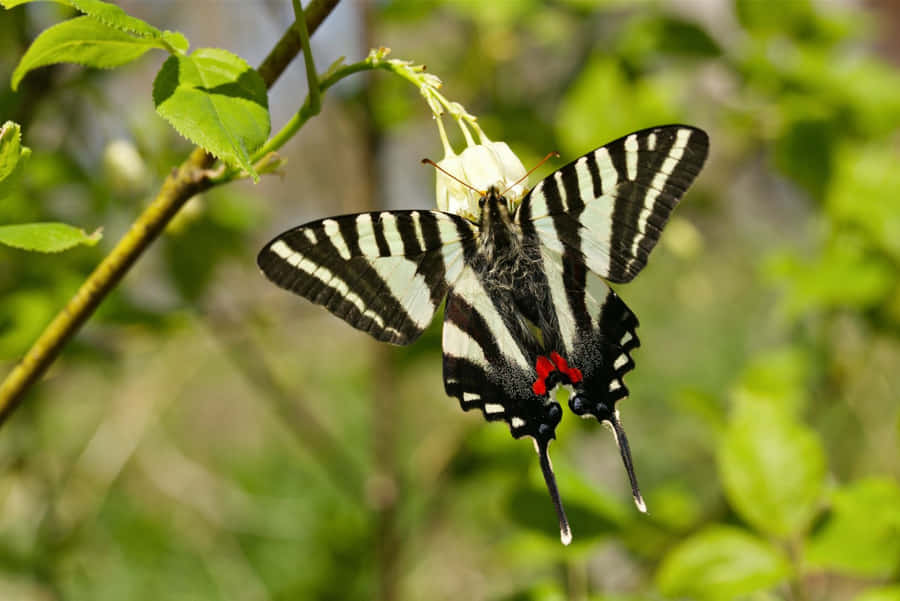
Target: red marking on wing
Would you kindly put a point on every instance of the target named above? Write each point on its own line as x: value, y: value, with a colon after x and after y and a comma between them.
x: 575, y: 375
x: 544, y: 367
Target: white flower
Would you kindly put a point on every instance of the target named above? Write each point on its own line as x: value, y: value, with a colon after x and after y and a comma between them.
x: 481, y: 166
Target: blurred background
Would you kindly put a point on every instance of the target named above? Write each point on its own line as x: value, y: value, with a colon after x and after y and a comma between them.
x: 210, y: 436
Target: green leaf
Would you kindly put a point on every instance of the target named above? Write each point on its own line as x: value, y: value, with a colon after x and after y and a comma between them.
x: 866, y: 193
x: 804, y: 151
x: 862, y: 536
x: 115, y: 18
x: 772, y: 469
x: 45, y: 237
x: 721, y: 562
x: 759, y: 16
x: 84, y: 41
x: 10, y: 148
x: 665, y: 36
x: 177, y: 40
x: 778, y: 376
x: 887, y: 593
x: 8, y: 4
x: 12, y: 157
x: 26, y: 313
x: 848, y: 273
x: 215, y: 99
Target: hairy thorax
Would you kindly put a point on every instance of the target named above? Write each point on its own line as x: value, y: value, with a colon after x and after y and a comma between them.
x: 507, y: 261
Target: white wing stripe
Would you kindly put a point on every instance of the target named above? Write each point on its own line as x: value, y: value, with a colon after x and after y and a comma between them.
x: 608, y: 173
x: 366, y: 241
x: 417, y: 227
x: 334, y: 234
x: 391, y: 235
x: 538, y: 203
x: 458, y: 344
x: 631, y: 156
x: 559, y: 298
x: 583, y: 176
x: 561, y: 190
x: 470, y: 289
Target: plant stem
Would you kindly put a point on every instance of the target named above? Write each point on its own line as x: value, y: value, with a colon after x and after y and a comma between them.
x: 312, y: 78
x: 190, y: 178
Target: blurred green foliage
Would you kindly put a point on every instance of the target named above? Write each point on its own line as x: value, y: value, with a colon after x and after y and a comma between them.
x: 208, y: 437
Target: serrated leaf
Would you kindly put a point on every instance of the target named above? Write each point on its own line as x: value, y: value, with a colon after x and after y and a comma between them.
x: 177, y: 40
x: 115, y: 18
x: 772, y: 469
x: 216, y: 100
x: 45, y: 237
x: 721, y: 563
x: 862, y: 536
x: 8, y: 4
x: 84, y: 41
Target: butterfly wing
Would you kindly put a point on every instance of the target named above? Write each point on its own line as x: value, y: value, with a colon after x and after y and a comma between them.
x: 602, y: 215
x: 489, y: 355
x: 384, y: 273
x: 611, y: 205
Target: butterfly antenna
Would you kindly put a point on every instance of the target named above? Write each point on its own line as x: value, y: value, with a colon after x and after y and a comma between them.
x: 451, y: 176
x: 622, y: 442
x: 549, y: 156
x: 565, y: 533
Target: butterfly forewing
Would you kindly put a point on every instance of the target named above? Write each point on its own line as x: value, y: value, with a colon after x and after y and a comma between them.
x: 384, y: 273
x: 611, y: 204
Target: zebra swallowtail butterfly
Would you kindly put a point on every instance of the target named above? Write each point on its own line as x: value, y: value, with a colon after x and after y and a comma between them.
x: 527, y: 304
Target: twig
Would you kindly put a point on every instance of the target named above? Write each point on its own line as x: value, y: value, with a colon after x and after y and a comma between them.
x: 190, y: 178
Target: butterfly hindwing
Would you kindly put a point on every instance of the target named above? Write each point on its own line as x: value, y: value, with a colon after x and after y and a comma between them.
x: 384, y: 273
x: 489, y: 365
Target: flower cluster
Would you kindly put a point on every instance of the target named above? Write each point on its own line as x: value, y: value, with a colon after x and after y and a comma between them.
x: 482, y: 164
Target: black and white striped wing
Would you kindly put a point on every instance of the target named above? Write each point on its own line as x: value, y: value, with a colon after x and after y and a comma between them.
x: 600, y: 217
x: 611, y: 205
x: 489, y: 357
x: 384, y: 273
x: 597, y: 332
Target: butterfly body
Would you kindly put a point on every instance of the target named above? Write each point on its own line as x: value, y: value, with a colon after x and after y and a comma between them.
x: 527, y: 308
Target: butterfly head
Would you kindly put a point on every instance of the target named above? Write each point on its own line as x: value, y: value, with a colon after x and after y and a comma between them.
x: 495, y: 209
